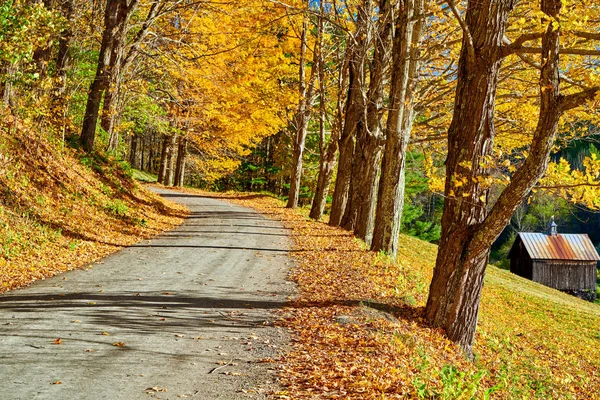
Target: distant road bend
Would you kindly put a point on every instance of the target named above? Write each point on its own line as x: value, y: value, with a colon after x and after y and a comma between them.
x: 184, y: 315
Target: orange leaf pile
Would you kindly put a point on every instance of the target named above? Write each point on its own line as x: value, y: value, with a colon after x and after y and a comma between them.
x: 358, y: 332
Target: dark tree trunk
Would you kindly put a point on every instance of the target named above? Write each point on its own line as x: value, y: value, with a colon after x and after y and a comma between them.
x: 62, y: 62
x: 116, y: 17
x: 468, y: 229
x: 355, y: 105
x: 181, y: 158
x: 369, y: 141
x: 133, y: 151
x: 64, y: 46
x: 390, y: 201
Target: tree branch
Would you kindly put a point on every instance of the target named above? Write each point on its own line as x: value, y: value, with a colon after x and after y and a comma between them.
x: 576, y: 99
x: 507, y: 50
x: 466, y: 32
x: 587, y: 35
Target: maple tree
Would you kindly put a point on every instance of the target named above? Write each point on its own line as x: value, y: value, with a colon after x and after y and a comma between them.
x: 468, y: 226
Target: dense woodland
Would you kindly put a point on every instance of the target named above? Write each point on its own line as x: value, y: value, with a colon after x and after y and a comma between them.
x: 447, y: 120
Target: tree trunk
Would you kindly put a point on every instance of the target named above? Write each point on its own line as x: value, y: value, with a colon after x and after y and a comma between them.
x: 326, y: 156
x: 133, y: 151
x: 116, y: 18
x: 64, y: 46
x: 468, y: 229
x: 109, y: 112
x: 369, y: 141
x: 169, y: 171
x: 390, y: 201
x: 181, y: 158
x: 355, y: 104
x: 120, y: 62
x: 162, y: 166
x: 302, y: 118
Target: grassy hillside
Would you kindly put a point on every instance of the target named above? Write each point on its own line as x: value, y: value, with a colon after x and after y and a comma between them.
x: 60, y: 210
x: 358, y: 327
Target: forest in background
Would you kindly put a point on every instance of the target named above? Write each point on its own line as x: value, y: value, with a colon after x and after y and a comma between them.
x: 407, y: 113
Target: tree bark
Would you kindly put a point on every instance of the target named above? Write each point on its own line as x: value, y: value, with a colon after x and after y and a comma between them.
x: 302, y: 117
x: 369, y: 141
x: 162, y: 166
x: 326, y: 156
x: 116, y: 18
x: 468, y: 229
x: 170, y: 160
x: 390, y: 201
x: 355, y: 104
x: 181, y: 158
x: 133, y: 150
x: 119, y: 63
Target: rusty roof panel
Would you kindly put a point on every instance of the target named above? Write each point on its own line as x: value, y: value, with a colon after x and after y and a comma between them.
x: 560, y: 247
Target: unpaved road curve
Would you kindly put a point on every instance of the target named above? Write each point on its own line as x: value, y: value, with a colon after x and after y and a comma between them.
x: 153, y: 320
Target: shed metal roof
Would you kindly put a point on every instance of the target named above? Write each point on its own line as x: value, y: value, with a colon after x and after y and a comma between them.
x: 560, y: 247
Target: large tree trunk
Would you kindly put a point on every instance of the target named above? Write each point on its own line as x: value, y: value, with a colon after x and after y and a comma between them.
x: 369, y: 141
x: 181, y: 158
x: 355, y: 105
x: 116, y: 17
x: 468, y: 229
x: 390, y: 201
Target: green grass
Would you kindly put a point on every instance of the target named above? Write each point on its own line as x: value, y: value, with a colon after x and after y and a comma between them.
x: 143, y: 176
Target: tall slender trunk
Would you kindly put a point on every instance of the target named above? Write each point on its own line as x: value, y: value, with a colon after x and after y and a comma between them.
x: 58, y: 107
x: 120, y: 60
x: 170, y: 160
x: 162, y: 165
x: 133, y: 150
x: 327, y: 156
x: 302, y: 118
x: 327, y: 150
x: 116, y: 18
x: 390, y: 201
x: 181, y: 158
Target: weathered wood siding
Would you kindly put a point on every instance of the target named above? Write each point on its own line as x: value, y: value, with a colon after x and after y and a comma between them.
x: 521, y: 264
x: 564, y: 274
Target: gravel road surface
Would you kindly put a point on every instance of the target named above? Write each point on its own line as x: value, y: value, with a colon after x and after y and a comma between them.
x: 187, y: 314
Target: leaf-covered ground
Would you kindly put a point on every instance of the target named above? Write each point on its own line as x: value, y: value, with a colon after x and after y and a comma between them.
x: 358, y: 331
x: 59, y: 212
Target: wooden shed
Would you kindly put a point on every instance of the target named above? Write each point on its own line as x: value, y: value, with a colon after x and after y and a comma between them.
x: 567, y: 262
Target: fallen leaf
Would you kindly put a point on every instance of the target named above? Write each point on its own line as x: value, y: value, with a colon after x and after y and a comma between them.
x: 119, y: 344
x: 58, y: 341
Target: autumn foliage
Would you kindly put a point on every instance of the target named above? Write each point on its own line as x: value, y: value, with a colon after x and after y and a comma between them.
x: 60, y: 211
x: 358, y: 332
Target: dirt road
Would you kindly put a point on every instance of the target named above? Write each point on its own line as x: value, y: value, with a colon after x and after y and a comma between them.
x: 185, y: 315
